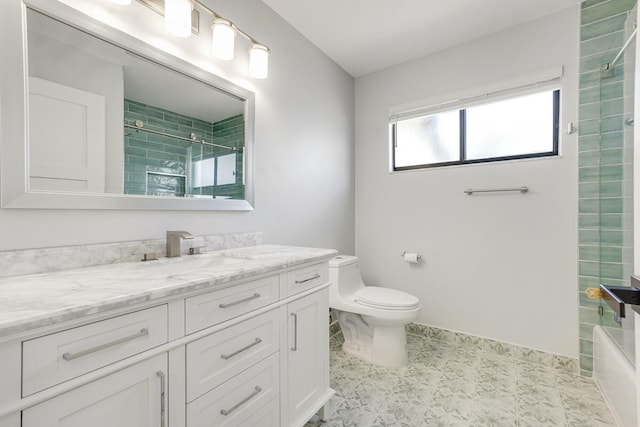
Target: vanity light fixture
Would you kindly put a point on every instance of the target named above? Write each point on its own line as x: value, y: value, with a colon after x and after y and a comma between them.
x: 259, y: 61
x: 178, y: 21
x: 222, y: 42
x: 177, y: 17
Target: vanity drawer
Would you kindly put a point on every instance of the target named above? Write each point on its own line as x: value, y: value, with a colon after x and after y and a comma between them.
x: 215, y: 307
x: 55, y: 358
x: 216, y: 358
x: 267, y: 416
x: 306, y: 278
x: 236, y: 401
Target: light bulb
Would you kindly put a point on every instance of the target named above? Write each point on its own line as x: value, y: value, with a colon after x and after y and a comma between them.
x: 177, y: 17
x: 223, y: 39
x: 259, y: 61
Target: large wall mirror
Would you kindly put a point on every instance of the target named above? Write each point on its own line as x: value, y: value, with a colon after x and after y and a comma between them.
x: 111, y: 123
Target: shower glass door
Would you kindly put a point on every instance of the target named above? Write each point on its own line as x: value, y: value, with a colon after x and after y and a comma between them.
x: 615, y: 164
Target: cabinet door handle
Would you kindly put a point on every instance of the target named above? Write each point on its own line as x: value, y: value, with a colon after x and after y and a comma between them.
x: 235, y: 353
x: 256, y: 390
x: 240, y: 301
x: 317, y: 276
x: 162, y: 394
x: 70, y: 356
x: 295, y: 332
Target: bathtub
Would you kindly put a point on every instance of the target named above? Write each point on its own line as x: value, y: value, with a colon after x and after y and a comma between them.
x: 614, y: 373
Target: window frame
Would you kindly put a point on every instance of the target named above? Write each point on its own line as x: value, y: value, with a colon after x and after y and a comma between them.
x: 463, y: 137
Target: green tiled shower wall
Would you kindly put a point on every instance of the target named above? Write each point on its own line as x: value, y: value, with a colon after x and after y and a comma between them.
x: 605, y: 250
x: 165, y: 158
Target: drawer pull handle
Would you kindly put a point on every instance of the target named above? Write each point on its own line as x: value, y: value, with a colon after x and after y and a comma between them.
x: 71, y: 356
x: 295, y: 332
x: 162, y: 394
x: 240, y: 301
x: 235, y: 353
x: 242, y: 402
x: 317, y: 276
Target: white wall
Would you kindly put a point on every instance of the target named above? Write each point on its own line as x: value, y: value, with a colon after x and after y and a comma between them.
x: 501, y: 266
x: 304, y: 150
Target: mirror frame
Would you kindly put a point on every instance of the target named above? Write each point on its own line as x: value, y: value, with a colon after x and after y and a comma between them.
x: 14, y: 152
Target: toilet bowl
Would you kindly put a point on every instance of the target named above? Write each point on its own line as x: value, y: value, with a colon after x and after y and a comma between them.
x: 372, y: 318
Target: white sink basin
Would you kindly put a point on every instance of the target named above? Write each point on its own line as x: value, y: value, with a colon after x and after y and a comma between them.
x: 189, y: 263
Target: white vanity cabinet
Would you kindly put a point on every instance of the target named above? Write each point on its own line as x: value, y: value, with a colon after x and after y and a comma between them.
x: 278, y: 359
x: 254, y: 352
x: 307, y: 363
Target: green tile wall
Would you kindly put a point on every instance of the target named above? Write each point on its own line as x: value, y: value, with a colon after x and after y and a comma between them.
x: 165, y: 158
x: 605, y: 249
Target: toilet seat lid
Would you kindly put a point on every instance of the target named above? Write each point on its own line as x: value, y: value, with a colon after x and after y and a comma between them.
x: 389, y: 299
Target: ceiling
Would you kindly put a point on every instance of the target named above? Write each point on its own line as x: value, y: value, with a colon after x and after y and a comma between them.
x: 364, y: 36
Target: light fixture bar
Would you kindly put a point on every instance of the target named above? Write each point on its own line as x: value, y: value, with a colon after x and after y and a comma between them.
x: 222, y: 42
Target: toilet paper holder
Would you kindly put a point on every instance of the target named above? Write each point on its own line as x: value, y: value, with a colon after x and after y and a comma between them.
x: 418, y: 256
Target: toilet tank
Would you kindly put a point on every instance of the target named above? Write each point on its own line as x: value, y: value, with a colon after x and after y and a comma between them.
x: 344, y: 275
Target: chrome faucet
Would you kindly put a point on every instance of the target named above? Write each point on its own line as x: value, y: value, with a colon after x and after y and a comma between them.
x: 173, y: 242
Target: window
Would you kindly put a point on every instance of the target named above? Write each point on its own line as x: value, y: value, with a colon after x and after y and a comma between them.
x: 516, y: 127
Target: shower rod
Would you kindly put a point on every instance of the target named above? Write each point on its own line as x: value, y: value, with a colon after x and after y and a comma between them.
x: 139, y: 126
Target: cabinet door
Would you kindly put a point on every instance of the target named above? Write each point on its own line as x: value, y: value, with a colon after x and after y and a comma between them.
x: 308, y: 355
x: 132, y: 397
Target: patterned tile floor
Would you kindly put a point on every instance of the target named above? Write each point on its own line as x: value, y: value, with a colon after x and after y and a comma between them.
x: 453, y: 384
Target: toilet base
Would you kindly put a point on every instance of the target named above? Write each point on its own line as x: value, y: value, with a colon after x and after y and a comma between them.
x: 382, y: 345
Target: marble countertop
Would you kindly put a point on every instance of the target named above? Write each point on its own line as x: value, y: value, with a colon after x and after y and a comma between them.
x: 36, y: 300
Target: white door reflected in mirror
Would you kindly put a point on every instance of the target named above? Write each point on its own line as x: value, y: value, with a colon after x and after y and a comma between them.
x: 66, y: 138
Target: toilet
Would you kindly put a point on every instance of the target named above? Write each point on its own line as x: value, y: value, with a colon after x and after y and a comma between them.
x: 372, y: 318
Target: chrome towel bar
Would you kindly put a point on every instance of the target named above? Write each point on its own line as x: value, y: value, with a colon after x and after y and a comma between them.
x: 470, y: 191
